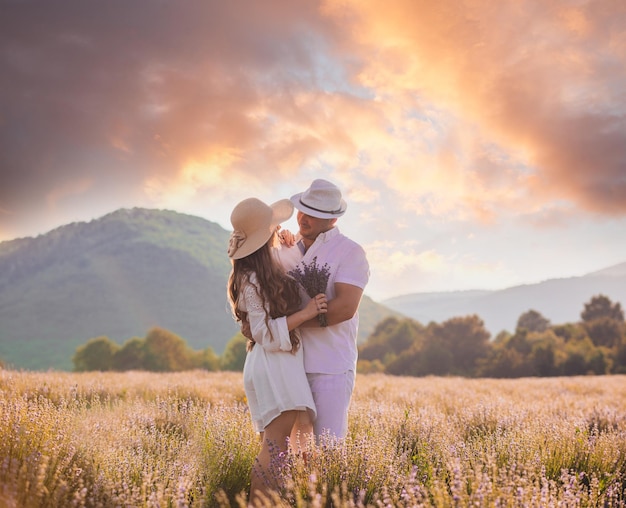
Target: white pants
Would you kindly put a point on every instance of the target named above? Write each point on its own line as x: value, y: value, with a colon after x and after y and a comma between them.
x: 332, y: 394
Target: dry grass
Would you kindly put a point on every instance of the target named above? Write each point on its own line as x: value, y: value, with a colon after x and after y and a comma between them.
x: 185, y: 439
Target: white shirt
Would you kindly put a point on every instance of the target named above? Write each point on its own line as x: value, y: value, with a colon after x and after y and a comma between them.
x: 333, y: 349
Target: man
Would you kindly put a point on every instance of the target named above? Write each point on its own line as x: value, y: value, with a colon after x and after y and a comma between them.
x: 330, y: 353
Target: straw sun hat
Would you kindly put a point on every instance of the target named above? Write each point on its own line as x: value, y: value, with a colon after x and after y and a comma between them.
x: 254, y: 222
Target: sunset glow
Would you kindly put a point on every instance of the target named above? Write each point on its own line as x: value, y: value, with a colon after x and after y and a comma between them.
x: 478, y: 144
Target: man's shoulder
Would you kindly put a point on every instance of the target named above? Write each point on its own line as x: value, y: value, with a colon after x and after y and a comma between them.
x: 345, y: 241
x: 336, y: 235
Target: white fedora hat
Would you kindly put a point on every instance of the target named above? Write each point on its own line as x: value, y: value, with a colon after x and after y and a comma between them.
x: 254, y: 222
x: 322, y: 200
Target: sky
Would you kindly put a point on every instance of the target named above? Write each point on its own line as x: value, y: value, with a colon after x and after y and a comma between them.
x: 479, y: 144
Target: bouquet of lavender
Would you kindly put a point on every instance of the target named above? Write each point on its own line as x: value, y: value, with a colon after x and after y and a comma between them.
x: 313, y: 279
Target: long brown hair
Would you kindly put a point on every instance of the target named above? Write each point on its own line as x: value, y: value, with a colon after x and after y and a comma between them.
x: 278, y: 291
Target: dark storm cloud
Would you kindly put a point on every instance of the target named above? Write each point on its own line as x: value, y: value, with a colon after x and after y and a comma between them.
x: 116, y: 90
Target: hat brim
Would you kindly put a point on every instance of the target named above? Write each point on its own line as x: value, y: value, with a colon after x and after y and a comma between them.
x: 282, y: 210
x: 320, y: 214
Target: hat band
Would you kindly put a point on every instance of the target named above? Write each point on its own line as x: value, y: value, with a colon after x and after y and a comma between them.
x: 334, y: 212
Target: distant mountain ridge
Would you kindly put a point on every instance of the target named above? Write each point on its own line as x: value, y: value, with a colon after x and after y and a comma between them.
x: 560, y: 300
x: 133, y: 269
x: 119, y: 276
x: 612, y: 271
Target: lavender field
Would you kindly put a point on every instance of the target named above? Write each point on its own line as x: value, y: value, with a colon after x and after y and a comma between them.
x: 185, y: 439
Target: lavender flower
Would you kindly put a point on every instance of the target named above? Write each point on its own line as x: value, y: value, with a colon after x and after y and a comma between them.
x: 313, y: 279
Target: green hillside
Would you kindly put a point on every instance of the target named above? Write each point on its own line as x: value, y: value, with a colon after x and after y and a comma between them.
x: 116, y: 276
x: 119, y: 276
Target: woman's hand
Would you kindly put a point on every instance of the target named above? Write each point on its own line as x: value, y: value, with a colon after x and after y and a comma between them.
x: 316, y: 305
x: 286, y: 237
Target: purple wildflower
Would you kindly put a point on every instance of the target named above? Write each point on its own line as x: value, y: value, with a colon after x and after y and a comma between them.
x: 313, y: 279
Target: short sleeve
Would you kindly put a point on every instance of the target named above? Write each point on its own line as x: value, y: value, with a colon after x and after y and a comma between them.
x: 354, y: 268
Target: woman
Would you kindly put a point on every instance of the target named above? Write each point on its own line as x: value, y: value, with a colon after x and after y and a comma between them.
x: 262, y: 293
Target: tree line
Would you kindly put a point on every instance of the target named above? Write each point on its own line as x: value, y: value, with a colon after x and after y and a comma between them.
x: 159, y: 351
x: 460, y: 346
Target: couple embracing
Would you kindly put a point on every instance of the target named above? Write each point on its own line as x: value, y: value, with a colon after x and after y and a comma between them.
x: 297, y: 300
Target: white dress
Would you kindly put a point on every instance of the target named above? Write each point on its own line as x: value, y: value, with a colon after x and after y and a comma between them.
x: 273, y: 377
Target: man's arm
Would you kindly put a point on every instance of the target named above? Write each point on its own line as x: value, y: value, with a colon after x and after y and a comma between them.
x: 342, y: 307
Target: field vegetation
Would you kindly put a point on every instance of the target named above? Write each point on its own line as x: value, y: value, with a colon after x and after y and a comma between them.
x: 185, y: 439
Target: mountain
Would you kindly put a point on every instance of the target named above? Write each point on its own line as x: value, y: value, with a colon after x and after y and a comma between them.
x: 118, y: 276
x: 559, y: 300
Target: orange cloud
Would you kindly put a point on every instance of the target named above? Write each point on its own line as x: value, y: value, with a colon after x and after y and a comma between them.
x: 469, y: 110
x: 537, y: 81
